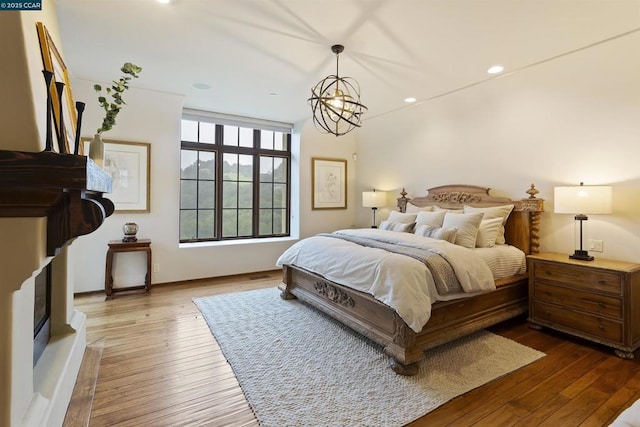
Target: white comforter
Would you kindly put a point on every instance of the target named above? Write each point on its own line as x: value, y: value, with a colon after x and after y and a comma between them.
x: 401, y: 282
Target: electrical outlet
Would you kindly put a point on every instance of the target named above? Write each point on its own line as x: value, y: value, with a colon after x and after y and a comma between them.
x: 595, y: 245
x: 156, y: 267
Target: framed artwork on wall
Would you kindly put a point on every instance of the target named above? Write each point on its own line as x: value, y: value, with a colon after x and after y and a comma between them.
x: 329, y: 183
x: 128, y: 165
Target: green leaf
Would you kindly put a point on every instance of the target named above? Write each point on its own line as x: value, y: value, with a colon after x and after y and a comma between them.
x: 118, y: 87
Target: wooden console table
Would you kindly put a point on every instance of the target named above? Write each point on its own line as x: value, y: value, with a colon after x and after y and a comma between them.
x: 115, y: 246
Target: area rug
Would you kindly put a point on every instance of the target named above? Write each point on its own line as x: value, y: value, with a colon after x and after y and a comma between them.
x: 298, y: 367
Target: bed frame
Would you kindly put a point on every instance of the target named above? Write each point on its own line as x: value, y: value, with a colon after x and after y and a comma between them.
x: 449, y: 319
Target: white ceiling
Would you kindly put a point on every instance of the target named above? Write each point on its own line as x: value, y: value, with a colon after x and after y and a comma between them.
x: 261, y: 57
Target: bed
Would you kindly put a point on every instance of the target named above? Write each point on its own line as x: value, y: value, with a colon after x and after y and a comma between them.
x: 448, y: 318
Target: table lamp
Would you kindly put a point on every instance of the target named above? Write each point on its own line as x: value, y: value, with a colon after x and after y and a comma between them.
x: 374, y: 199
x: 580, y: 201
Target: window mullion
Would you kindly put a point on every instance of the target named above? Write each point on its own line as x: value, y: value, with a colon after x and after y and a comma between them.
x: 217, y: 213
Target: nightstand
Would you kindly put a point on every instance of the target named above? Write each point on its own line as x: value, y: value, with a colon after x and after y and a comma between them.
x: 597, y: 300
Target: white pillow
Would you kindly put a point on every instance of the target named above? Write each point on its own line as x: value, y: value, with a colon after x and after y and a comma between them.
x: 488, y: 232
x: 411, y: 208
x: 467, y: 225
x: 396, y: 226
x: 438, y: 208
x: 448, y: 234
x: 433, y: 219
x: 491, y: 213
x: 404, y: 218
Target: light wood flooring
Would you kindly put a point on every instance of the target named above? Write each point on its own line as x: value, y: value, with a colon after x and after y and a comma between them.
x: 157, y: 364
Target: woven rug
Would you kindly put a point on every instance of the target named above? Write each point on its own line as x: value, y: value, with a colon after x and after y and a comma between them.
x: 298, y: 367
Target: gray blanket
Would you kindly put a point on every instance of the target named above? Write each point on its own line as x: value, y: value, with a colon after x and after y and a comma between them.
x: 443, y: 274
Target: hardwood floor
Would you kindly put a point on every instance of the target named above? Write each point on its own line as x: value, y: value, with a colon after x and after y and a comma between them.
x: 157, y: 364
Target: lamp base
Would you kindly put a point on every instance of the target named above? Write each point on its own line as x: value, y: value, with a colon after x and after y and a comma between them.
x: 581, y: 255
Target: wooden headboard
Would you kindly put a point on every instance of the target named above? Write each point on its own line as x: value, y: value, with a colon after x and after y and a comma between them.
x: 522, y: 229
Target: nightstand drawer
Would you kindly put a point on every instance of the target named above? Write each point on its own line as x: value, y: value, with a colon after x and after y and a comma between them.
x: 583, y: 278
x: 593, y: 303
x: 592, y: 325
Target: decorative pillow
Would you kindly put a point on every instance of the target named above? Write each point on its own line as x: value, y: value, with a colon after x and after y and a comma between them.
x: 467, y: 225
x: 404, y: 218
x: 488, y: 232
x: 433, y: 219
x: 411, y: 208
x: 396, y: 226
x: 491, y: 213
x: 448, y: 234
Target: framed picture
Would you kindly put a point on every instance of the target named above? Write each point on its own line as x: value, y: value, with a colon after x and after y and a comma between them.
x: 65, y: 106
x: 329, y: 183
x: 128, y: 165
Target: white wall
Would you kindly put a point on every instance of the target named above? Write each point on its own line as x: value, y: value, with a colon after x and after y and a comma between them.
x: 572, y: 119
x: 154, y: 117
x: 317, y: 144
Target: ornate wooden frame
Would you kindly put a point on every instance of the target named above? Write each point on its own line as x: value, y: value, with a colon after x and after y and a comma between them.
x: 449, y: 319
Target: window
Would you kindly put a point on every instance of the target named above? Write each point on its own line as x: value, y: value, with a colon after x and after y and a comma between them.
x: 234, y: 178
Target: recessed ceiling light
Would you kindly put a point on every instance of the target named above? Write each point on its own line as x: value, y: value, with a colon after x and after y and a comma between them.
x: 495, y: 69
x: 164, y: 1
x: 202, y: 86
x: 410, y: 99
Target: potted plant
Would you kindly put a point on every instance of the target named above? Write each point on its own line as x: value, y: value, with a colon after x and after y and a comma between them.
x: 111, y: 108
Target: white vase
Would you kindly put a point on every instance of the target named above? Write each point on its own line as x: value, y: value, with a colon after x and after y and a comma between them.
x: 96, y: 150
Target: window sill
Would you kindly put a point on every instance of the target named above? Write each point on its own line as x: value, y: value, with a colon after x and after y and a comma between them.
x: 236, y: 242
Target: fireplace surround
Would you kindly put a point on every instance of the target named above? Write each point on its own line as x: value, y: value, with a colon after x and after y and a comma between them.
x: 46, y: 201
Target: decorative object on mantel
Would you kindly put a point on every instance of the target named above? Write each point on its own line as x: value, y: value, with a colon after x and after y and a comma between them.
x: 62, y: 134
x: 96, y: 150
x: 581, y: 200
x: 335, y: 102
x: 48, y: 76
x: 76, y: 143
x: 130, y: 229
x: 111, y: 107
x: 59, y: 91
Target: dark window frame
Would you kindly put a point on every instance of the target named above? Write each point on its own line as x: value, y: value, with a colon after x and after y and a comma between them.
x: 257, y: 153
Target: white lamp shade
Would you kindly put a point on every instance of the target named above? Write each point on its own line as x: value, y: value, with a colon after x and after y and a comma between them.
x: 374, y: 199
x: 583, y: 199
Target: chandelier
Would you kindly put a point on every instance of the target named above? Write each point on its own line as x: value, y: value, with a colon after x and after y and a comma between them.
x: 335, y: 102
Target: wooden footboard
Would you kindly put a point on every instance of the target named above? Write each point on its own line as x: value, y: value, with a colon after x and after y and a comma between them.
x: 380, y: 323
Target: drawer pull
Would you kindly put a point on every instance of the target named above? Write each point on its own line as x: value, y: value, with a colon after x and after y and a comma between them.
x: 601, y: 305
x: 601, y: 326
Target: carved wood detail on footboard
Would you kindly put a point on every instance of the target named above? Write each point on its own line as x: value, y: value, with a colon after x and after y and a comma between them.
x: 334, y: 294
